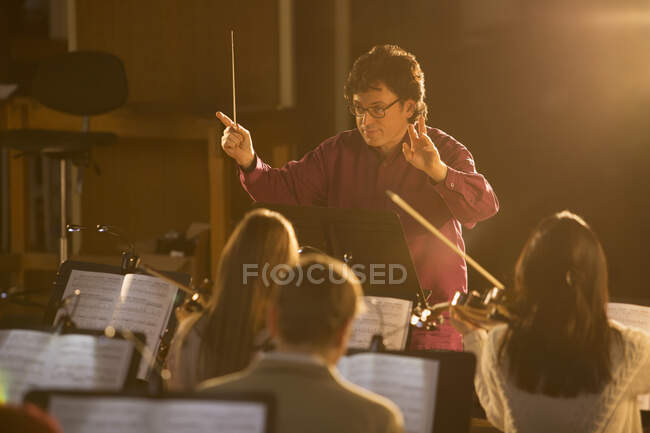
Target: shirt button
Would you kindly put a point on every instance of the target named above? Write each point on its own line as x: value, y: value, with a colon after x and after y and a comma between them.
x: 451, y: 185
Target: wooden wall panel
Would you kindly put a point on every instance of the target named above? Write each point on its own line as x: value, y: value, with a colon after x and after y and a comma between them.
x: 179, y: 51
x: 147, y: 187
x: 155, y: 178
x: 4, y: 43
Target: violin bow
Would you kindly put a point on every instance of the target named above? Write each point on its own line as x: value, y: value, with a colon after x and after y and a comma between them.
x: 418, y: 217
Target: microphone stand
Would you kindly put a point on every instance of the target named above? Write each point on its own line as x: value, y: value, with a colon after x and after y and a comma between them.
x: 132, y: 262
x: 130, y: 259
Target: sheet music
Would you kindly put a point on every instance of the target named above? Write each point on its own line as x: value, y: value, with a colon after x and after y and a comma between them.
x: 89, y: 362
x: 410, y: 382
x: 35, y: 359
x: 20, y: 363
x: 99, y: 294
x: 144, y: 305
x: 633, y: 316
x: 215, y: 416
x: 395, y: 314
x: 136, y: 415
x: 139, y: 303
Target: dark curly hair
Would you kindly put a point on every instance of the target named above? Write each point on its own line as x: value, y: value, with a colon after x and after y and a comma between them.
x: 393, y: 66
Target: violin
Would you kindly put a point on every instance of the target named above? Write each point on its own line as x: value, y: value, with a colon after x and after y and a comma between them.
x: 488, y: 308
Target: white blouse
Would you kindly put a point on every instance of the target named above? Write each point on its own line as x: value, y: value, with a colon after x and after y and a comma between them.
x: 614, y: 410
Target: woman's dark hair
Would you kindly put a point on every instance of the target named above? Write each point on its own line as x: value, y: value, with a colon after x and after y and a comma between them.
x: 560, y: 345
x: 393, y: 66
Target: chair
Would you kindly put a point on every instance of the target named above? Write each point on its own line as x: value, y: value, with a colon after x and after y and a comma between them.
x: 82, y: 83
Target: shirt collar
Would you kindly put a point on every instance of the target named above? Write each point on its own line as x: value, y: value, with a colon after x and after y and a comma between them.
x: 294, y: 357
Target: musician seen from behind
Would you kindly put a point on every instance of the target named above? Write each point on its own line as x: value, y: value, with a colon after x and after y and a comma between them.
x: 310, y: 320
x: 391, y: 149
x: 223, y: 338
x: 560, y: 365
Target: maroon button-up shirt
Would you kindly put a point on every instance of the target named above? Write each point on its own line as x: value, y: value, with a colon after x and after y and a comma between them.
x: 343, y: 171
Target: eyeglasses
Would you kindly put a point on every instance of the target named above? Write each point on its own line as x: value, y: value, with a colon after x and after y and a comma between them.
x: 377, y: 112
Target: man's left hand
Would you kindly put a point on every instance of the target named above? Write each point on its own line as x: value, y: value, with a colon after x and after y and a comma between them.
x: 422, y: 152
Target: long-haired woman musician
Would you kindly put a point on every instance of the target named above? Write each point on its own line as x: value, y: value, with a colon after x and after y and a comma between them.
x: 223, y: 338
x: 561, y: 366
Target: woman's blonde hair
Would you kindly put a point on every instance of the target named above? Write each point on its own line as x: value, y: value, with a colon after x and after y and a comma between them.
x: 236, y: 313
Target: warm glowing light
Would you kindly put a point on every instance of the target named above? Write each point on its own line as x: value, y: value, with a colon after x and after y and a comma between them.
x: 4, y: 388
x: 109, y: 331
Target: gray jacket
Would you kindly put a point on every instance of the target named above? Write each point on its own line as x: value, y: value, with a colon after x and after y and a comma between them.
x: 312, y: 397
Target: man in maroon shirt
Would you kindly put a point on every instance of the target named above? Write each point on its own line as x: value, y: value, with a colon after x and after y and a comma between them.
x: 391, y: 148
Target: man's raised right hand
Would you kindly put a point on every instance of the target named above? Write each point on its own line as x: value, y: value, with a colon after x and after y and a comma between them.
x: 236, y: 141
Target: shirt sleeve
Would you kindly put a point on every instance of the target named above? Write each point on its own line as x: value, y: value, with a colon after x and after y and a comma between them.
x: 640, y: 384
x: 467, y: 193
x: 301, y: 182
x: 485, y: 381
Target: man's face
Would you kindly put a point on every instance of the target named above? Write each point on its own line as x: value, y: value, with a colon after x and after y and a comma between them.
x: 386, y: 132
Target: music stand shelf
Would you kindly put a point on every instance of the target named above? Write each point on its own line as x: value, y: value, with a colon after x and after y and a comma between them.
x: 371, y: 238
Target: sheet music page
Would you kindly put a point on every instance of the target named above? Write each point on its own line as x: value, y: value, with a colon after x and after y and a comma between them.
x: 100, y: 414
x: 410, y: 382
x: 21, y: 361
x: 210, y: 416
x: 633, y: 316
x: 144, y: 304
x: 95, y: 304
x: 136, y: 415
x: 35, y: 359
x: 395, y: 315
x: 88, y: 362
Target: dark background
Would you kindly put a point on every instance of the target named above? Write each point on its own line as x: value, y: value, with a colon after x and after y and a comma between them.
x: 552, y: 99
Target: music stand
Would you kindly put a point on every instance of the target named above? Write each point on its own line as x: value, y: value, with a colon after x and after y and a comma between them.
x: 642, y: 302
x: 17, y: 342
x: 453, y: 386
x: 61, y: 285
x: 361, y: 238
x: 189, y: 410
x: 65, y: 269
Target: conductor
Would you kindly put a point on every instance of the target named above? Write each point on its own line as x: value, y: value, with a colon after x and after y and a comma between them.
x: 391, y: 148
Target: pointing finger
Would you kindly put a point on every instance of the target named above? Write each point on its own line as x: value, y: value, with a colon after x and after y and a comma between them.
x: 225, y: 120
